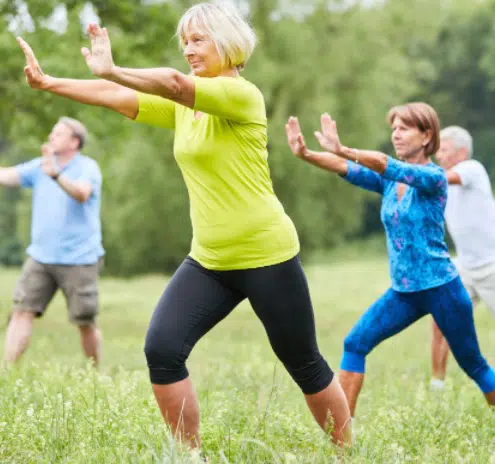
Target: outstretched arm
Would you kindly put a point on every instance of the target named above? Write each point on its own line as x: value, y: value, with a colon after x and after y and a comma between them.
x: 357, y: 175
x: 10, y: 177
x: 323, y: 160
x: 453, y: 177
x: 329, y: 140
x: 90, y: 91
x: 223, y: 97
x: 164, y: 82
x: 418, y: 176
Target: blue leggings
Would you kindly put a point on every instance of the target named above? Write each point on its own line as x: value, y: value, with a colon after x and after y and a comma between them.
x: 452, y: 310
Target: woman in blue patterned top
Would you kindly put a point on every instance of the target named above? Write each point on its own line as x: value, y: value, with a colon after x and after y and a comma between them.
x: 424, y: 280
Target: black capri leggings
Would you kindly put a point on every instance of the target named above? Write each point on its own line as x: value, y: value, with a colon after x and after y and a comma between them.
x: 196, y: 299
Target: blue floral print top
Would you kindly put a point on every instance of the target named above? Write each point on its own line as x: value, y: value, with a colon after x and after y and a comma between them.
x: 414, y: 225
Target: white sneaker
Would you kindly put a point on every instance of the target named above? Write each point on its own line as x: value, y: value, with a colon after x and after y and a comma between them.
x: 437, y: 385
x: 197, y: 456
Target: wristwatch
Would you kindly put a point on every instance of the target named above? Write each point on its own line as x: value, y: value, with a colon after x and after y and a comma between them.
x: 56, y: 175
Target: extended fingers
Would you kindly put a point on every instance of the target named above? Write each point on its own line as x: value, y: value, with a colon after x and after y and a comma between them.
x: 94, y: 29
x: 97, y: 34
x: 328, y: 125
x: 288, y: 130
x: 294, y: 124
x: 302, y: 142
x: 320, y: 137
x: 28, y: 52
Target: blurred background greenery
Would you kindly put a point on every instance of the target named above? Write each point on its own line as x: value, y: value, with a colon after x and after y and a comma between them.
x: 352, y: 59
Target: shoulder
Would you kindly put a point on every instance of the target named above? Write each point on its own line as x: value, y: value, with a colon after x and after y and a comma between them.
x: 238, y: 85
x: 469, y: 165
x: 438, y: 175
x: 436, y: 167
x: 34, y: 163
x: 244, y: 83
x: 88, y: 162
x: 250, y: 88
x: 29, y: 168
x: 437, y: 170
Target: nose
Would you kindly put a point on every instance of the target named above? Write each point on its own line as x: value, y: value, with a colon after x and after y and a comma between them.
x: 188, y: 50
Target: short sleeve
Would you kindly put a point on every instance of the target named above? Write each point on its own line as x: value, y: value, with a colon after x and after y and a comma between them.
x: 232, y: 98
x: 469, y: 171
x: 91, y: 173
x: 29, y: 172
x: 156, y: 111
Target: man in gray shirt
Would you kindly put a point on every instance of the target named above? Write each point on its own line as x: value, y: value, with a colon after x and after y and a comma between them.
x: 470, y: 219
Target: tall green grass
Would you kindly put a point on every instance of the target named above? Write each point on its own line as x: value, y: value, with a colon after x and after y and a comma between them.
x: 54, y: 408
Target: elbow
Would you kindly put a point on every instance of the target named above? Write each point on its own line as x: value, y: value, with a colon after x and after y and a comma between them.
x: 83, y: 196
x: 382, y: 164
x: 171, y: 85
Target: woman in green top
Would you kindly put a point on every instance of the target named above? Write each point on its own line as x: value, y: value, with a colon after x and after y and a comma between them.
x: 244, y: 245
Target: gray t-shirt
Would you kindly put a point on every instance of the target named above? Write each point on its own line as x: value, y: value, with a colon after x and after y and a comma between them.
x: 470, y: 215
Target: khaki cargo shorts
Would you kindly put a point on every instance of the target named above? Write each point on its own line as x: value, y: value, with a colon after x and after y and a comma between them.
x: 479, y: 283
x: 39, y: 282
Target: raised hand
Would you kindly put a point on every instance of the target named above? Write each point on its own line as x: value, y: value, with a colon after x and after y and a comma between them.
x: 295, y: 138
x: 328, y: 138
x: 48, y: 160
x: 99, y: 59
x: 34, y: 75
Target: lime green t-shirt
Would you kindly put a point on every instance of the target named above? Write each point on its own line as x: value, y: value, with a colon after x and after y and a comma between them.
x: 238, y: 222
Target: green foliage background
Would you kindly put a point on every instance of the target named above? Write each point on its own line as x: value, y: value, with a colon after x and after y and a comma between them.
x: 352, y: 61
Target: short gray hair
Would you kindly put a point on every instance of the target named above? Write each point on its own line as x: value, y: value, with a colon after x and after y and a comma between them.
x: 234, y: 38
x: 460, y: 136
x: 77, y: 128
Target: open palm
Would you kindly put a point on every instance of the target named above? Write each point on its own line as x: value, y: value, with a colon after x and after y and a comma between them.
x: 34, y: 75
x: 295, y: 138
x: 99, y: 58
x: 328, y: 138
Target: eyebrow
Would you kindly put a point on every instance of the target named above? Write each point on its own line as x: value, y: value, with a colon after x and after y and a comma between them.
x: 194, y: 34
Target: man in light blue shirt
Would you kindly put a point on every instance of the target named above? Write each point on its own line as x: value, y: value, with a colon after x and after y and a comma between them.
x: 65, y: 250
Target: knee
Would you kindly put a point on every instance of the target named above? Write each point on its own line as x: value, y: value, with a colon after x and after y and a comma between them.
x: 309, y: 370
x: 437, y: 334
x: 481, y: 372
x: 351, y: 344
x: 354, y: 357
x: 165, y: 357
x: 21, y: 321
x: 471, y: 363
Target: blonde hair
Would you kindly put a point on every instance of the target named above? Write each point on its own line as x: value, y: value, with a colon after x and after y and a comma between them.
x: 77, y: 128
x: 232, y: 35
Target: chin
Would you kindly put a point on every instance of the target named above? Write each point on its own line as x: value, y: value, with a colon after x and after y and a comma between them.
x: 201, y: 72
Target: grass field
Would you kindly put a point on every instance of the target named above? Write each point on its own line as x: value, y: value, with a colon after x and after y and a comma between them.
x: 55, y: 409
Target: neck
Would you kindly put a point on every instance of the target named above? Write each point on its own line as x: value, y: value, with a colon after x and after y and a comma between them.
x: 458, y: 160
x: 63, y: 158
x: 230, y: 72
x: 416, y: 156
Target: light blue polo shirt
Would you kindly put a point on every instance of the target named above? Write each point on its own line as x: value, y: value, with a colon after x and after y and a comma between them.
x: 64, y: 231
